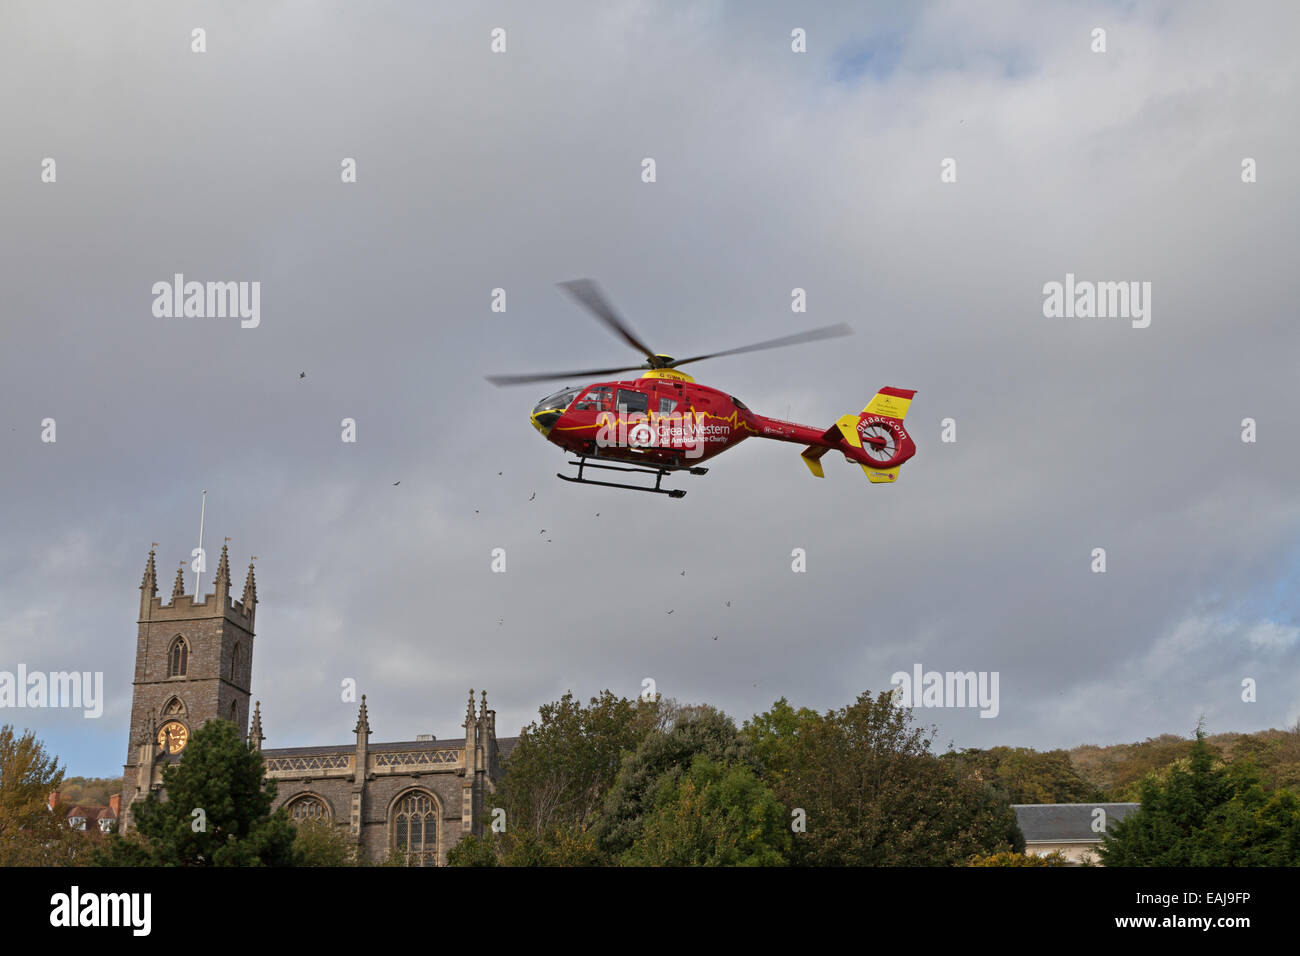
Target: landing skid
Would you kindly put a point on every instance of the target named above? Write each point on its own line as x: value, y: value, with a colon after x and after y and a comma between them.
x: 659, y: 474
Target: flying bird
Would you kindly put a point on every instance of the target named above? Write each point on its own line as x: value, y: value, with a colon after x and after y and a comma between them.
x: 302, y: 375
x: 534, y: 496
x: 396, y: 483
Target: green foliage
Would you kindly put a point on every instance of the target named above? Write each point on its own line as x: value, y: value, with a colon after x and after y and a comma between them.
x: 321, y: 843
x: 220, y: 776
x: 873, y: 792
x: 1055, y: 858
x: 564, y: 764
x: 1029, y: 776
x: 658, y: 762
x: 560, y: 846
x: 717, y: 814
x: 1202, y: 812
x: 473, y: 851
x: 770, y: 732
x: 30, y: 833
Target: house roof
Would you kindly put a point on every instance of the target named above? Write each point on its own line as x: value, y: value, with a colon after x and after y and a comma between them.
x: 91, y: 814
x: 1066, y: 822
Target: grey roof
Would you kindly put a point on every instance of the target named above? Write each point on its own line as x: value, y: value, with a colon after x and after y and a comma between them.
x: 402, y: 746
x: 505, y: 745
x: 1066, y: 822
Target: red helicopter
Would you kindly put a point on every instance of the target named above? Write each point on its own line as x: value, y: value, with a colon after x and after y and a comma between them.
x: 665, y: 421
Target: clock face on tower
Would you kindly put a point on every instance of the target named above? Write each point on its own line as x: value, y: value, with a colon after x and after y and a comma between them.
x: 173, y: 737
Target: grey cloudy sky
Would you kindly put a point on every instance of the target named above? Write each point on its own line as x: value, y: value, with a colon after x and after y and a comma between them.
x: 775, y: 170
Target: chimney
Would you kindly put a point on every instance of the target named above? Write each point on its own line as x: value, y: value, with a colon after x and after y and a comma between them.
x: 115, y: 804
x: 54, y: 799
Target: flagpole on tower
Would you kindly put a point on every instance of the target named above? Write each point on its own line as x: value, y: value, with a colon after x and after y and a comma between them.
x: 198, y: 573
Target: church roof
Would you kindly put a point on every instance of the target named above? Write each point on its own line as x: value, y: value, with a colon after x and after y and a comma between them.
x: 504, y: 745
x: 401, y: 746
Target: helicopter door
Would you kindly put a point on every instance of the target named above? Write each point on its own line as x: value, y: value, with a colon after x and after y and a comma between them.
x: 671, y: 406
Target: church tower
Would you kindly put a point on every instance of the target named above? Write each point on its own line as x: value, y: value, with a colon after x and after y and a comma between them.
x: 193, y: 662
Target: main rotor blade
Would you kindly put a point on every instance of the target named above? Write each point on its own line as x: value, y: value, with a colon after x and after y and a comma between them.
x: 812, y: 335
x: 587, y: 293
x: 556, y: 376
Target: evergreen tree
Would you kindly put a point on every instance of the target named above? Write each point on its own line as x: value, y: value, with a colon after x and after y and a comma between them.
x: 217, y: 811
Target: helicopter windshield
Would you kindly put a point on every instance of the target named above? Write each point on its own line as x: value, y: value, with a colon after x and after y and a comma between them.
x: 557, y: 402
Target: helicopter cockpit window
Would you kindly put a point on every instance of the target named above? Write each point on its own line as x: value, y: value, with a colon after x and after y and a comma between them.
x: 558, y: 401
x: 599, y: 398
x: 739, y: 404
x: 630, y: 400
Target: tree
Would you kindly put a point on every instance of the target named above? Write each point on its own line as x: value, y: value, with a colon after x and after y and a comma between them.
x: 217, y: 811
x: 560, y: 846
x: 558, y: 776
x: 1028, y: 776
x: 875, y: 795
x: 321, y: 843
x: 716, y: 814
x: 660, y: 761
x: 563, y: 765
x: 31, y: 834
x: 473, y: 851
x: 1202, y: 812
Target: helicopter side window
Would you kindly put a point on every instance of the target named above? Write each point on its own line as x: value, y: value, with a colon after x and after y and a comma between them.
x: 666, y: 406
x: 630, y: 400
x: 597, y: 399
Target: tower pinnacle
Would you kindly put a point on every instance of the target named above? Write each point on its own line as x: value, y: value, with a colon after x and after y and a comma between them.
x: 223, y: 572
x: 149, y: 583
x: 363, y: 719
x: 250, y: 588
x: 255, y: 735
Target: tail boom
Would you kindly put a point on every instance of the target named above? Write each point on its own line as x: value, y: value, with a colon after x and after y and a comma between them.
x: 874, y: 438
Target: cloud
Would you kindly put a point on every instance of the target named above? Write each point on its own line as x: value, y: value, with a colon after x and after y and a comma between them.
x: 775, y: 171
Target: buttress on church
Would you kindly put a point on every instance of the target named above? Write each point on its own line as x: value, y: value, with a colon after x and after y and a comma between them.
x: 194, y: 662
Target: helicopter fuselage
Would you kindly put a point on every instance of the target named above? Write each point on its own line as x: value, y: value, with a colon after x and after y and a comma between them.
x: 665, y: 419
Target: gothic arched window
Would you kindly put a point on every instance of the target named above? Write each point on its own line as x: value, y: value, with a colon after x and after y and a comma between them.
x: 234, y: 712
x: 415, y: 829
x: 234, y: 662
x: 174, y: 708
x: 178, y: 658
x: 308, y: 808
